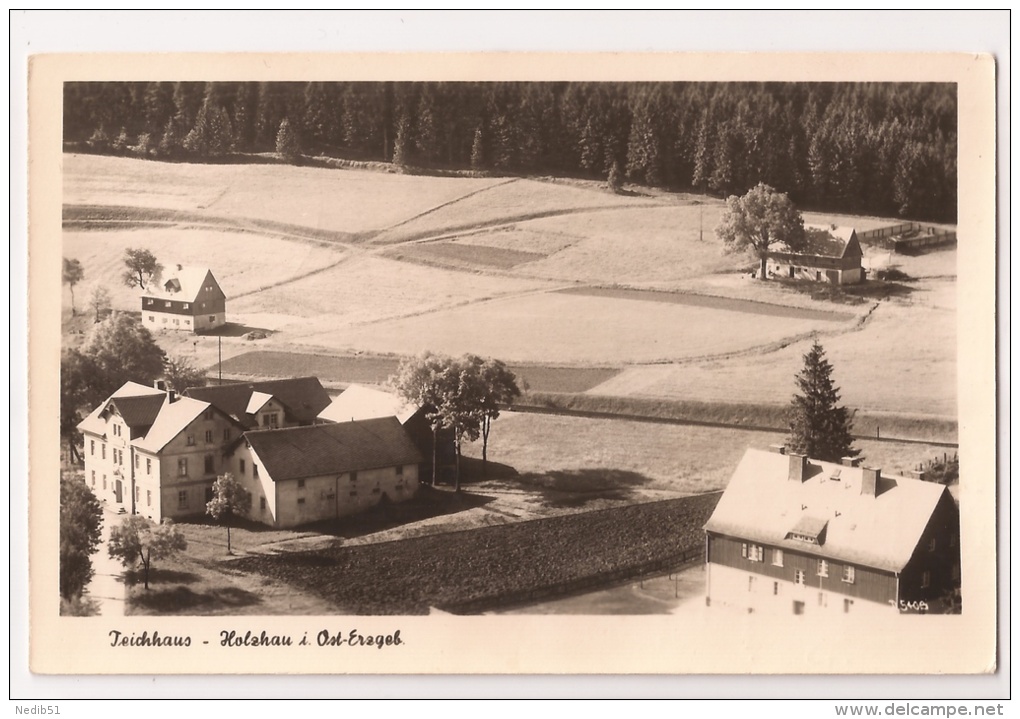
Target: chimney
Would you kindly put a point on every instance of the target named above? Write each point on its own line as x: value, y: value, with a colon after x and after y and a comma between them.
x: 171, y: 396
x: 919, y: 474
x: 798, y: 463
x: 850, y: 461
x: 179, y: 268
x: 160, y: 385
x: 869, y: 481
x: 777, y: 448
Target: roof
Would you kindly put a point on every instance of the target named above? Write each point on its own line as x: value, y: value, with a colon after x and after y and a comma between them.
x: 361, y: 402
x: 825, y: 241
x: 323, y: 449
x: 183, y: 283
x: 140, y: 411
x: 172, y: 420
x: 257, y: 401
x: 303, y: 397
x: 762, y: 504
x: 125, y: 395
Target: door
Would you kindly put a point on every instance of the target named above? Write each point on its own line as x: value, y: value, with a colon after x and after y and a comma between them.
x: 118, y: 490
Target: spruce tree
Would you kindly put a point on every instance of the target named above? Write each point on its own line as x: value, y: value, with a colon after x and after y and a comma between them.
x: 819, y: 426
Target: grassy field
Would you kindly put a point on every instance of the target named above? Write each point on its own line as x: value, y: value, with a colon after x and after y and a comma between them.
x: 364, y: 369
x: 556, y: 327
x: 646, y: 458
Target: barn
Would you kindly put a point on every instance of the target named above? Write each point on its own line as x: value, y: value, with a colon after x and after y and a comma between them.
x: 830, y: 254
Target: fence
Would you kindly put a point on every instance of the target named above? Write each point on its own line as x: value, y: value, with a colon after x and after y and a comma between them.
x: 908, y: 237
x: 580, y: 585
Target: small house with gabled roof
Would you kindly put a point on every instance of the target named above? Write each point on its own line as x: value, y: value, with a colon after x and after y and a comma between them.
x: 830, y: 254
x: 793, y: 535
x: 308, y: 474
x: 189, y: 299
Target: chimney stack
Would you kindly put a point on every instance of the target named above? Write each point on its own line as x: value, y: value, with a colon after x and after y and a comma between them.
x: 171, y: 396
x: 798, y: 463
x: 159, y: 384
x: 777, y: 448
x: 919, y: 474
x: 869, y: 481
x: 851, y: 461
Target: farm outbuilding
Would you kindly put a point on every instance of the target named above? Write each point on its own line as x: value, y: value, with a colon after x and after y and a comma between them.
x: 830, y: 254
x: 188, y: 300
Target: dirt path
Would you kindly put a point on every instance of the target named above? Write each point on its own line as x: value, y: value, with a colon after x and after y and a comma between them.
x: 107, y: 590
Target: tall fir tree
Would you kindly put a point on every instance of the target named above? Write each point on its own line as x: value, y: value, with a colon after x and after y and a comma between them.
x: 819, y: 426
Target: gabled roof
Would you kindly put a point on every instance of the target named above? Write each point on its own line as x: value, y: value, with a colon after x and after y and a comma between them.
x: 825, y: 241
x: 361, y: 402
x: 762, y: 504
x: 138, y: 412
x: 303, y: 398
x: 125, y: 395
x: 325, y: 449
x: 182, y: 283
x: 256, y: 402
x: 173, y: 419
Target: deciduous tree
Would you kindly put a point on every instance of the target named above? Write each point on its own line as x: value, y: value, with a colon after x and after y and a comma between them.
x: 81, y: 522
x: 230, y: 499
x: 819, y: 426
x: 182, y: 374
x: 99, y: 301
x: 121, y: 349
x: 137, y: 539
x: 73, y: 274
x: 142, y: 266
x: 760, y: 219
x: 497, y: 388
x: 419, y: 380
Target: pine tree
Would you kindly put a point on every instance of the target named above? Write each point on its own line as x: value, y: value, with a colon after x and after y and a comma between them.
x: 819, y: 427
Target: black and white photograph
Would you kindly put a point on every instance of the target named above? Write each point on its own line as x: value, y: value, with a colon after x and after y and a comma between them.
x: 356, y: 359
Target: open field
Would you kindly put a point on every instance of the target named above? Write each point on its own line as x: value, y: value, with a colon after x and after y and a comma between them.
x: 365, y: 369
x: 653, y: 458
x: 556, y: 327
x: 348, y: 201
x: 496, y: 291
x: 903, y: 360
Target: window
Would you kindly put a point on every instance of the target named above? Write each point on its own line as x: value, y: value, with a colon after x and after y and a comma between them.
x: 210, y: 464
x: 208, y: 414
x: 798, y: 577
x: 208, y: 288
x: 354, y: 476
x: 400, y: 471
x: 240, y: 466
x: 182, y: 467
x: 750, y: 584
x: 212, y: 318
x: 925, y: 579
x: 798, y: 607
x: 164, y: 320
x: 208, y: 436
x: 187, y: 306
x: 152, y: 318
x: 354, y: 493
x: 191, y: 440
x: 93, y: 478
x: 208, y: 495
x: 92, y: 447
x: 104, y: 481
x: 148, y: 466
x: 301, y: 500
x: 102, y: 447
x: 823, y: 568
x: 931, y: 544
x: 168, y: 304
x: 847, y: 603
x: 148, y: 497
x: 849, y: 574
x: 755, y: 553
x: 138, y: 493
x: 822, y: 601
x: 176, y: 321
x: 775, y: 588
x: 254, y: 470
x: 148, y: 300
x: 116, y: 430
x: 301, y: 484
x: 271, y: 419
x: 182, y: 499
x: 226, y: 435
x: 262, y: 503
x: 777, y: 557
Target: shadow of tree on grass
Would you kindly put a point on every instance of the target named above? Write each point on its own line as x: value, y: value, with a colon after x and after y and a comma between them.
x: 576, y: 487
x: 180, y: 598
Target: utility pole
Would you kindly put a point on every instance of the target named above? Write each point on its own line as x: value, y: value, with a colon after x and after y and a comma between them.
x: 701, y: 223
x: 219, y: 363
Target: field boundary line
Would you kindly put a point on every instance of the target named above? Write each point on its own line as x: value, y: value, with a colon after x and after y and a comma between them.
x: 442, y: 205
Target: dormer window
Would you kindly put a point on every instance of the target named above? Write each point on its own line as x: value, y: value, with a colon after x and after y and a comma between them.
x: 186, y: 305
x: 168, y: 303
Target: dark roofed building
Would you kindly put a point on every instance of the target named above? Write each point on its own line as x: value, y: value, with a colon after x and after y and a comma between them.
x: 831, y: 254
x: 326, y: 471
x: 188, y: 300
x: 796, y: 535
x: 270, y: 404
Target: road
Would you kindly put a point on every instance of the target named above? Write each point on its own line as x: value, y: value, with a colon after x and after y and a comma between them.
x: 107, y: 590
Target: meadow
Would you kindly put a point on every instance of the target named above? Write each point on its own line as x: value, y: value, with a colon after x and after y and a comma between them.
x: 536, y: 272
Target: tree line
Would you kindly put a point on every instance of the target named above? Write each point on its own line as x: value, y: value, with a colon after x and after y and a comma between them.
x: 879, y: 148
